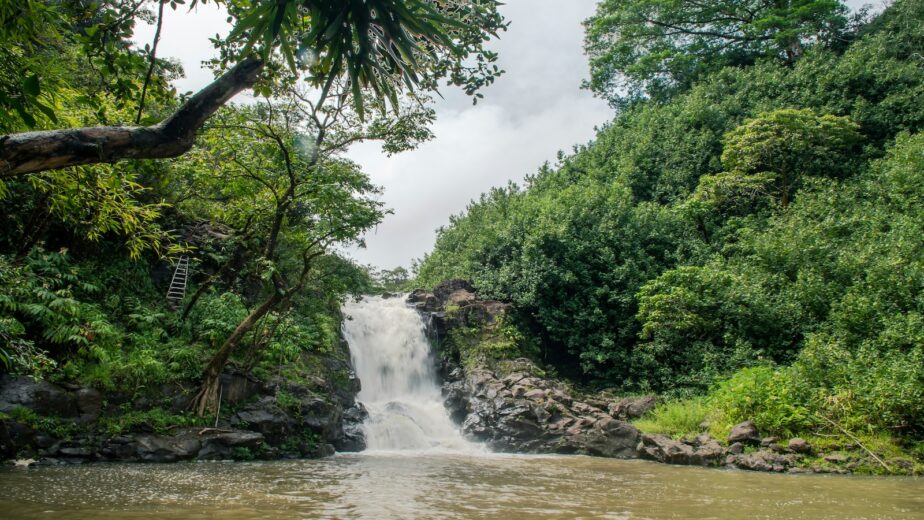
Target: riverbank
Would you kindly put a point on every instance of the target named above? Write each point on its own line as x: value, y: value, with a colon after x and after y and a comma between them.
x: 304, y: 409
x: 509, y: 403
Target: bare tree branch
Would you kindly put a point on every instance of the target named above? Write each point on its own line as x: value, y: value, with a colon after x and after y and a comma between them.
x: 32, y: 152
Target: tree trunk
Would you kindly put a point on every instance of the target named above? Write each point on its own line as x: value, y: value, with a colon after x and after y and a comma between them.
x: 31, y: 152
x: 204, y: 287
x: 206, y: 400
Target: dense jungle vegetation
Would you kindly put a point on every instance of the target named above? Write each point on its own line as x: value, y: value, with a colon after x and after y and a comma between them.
x: 745, y: 237
x: 258, y: 196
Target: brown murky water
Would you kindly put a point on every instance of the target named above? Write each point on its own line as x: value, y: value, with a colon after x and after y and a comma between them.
x: 446, y: 486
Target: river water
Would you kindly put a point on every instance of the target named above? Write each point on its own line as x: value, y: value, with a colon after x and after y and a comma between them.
x: 438, y: 486
x: 419, y: 466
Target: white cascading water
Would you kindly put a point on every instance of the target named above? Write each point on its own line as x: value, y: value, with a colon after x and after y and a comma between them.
x: 391, y: 356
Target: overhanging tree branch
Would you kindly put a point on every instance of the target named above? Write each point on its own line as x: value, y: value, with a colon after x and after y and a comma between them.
x: 32, y: 152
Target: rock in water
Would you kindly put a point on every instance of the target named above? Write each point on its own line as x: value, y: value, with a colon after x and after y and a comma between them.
x: 704, y: 451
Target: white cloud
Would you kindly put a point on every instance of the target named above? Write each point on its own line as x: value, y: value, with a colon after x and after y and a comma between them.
x: 534, y: 110
x: 473, y: 151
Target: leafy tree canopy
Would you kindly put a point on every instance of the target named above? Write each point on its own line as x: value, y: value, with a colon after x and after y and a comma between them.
x: 380, y: 48
x: 656, y: 47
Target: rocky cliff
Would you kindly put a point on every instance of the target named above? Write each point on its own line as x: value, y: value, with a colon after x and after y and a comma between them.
x: 510, y: 404
x: 507, y: 403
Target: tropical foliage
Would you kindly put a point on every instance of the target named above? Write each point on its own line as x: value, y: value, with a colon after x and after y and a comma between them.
x: 748, y: 226
x: 261, y: 197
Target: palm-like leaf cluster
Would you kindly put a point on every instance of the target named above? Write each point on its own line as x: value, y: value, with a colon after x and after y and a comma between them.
x: 383, y: 46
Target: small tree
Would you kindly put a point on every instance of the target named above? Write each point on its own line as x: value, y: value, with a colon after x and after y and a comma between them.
x: 653, y: 47
x: 766, y: 157
x: 275, y: 173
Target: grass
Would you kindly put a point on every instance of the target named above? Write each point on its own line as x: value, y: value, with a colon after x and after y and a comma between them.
x: 56, y: 426
x: 157, y: 419
x: 684, y: 418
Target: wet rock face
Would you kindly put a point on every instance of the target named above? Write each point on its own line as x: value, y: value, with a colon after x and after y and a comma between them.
x: 272, y: 419
x: 7, y: 445
x: 702, y: 451
x: 90, y: 404
x: 265, y: 417
x: 524, y: 413
x: 41, y: 397
x: 459, y: 295
x: 353, y: 438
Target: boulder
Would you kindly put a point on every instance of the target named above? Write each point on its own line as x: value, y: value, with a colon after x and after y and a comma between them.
x: 763, y: 460
x: 446, y: 288
x: 709, y: 450
x: 524, y: 413
x: 41, y: 397
x: 799, y: 445
x: 745, y: 433
x: 264, y: 417
x: 632, y: 407
x: 704, y: 451
x: 423, y: 301
x: 75, y: 454
x: 608, y: 438
x: 220, y: 446
x: 322, y: 450
x: 119, y: 449
x: 156, y: 448
x: 767, y: 441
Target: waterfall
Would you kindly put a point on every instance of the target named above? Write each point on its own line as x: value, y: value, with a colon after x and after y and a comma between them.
x: 391, y: 356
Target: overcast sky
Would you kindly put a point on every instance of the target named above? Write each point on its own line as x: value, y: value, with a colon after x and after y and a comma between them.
x: 531, y: 112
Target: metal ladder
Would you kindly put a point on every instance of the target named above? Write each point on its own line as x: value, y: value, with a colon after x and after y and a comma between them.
x: 177, y: 290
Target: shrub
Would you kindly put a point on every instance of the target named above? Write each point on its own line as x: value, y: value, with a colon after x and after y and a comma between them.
x: 770, y: 397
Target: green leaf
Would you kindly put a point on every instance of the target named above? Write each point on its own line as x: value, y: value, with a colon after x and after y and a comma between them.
x: 31, y: 86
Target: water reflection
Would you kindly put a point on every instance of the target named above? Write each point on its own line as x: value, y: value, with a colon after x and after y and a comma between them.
x: 381, y: 486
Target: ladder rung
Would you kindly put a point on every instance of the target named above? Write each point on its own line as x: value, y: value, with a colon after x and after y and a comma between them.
x: 177, y: 290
